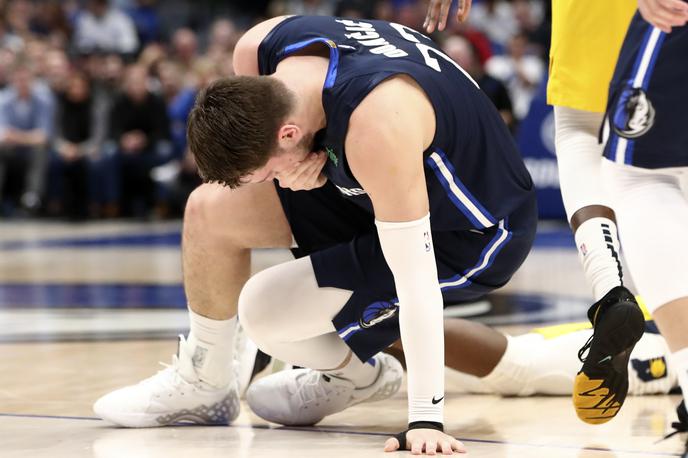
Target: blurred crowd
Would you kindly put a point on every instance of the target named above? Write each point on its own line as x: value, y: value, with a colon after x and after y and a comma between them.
x: 95, y: 94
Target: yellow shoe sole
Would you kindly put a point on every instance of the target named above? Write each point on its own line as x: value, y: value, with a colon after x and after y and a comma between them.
x: 593, y: 403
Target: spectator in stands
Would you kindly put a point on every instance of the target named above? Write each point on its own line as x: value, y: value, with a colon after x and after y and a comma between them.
x: 179, y: 177
x: 520, y: 71
x: 465, y: 54
x: 185, y: 47
x: 18, y: 16
x: 7, y: 57
x: 105, y: 29
x: 301, y: 7
x: 139, y: 140
x: 361, y: 9
x: 26, y: 124
x: 496, y: 19
x: 178, y: 99
x: 530, y: 18
x: 223, y: 37
x: 8, y: 40
x: 146, y: 20
x: 51, y: 22
x: 78, y: 141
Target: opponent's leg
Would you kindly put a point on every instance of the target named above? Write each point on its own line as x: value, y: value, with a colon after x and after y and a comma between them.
x: 220, y: 227
x: 616, y: 317
x: 469, y: 347
x: 289, y: 316
x: 653, y: 215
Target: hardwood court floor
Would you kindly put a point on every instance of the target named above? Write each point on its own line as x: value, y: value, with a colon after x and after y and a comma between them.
x: 86, y: 309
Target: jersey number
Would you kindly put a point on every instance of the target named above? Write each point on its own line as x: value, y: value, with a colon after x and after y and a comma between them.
x: 426, y: 50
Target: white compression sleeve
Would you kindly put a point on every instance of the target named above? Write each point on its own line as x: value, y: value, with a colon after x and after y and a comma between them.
x: 409, y: 252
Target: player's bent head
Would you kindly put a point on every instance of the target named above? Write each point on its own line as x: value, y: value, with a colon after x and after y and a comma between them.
x: 233, y: 127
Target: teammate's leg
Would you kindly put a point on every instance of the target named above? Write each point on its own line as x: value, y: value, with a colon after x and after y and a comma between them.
x: 220, y: 227
x: 615, y: 315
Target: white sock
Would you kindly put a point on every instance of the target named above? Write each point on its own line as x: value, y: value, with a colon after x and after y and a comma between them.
x: 512, y: 374
x: 212, y: 347
x: 361, y: 374
x: 598, y: 249
x: 680, y: 362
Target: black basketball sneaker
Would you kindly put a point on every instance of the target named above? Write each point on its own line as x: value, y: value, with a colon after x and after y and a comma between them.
x: 680, y: 426
x: 601, y: 386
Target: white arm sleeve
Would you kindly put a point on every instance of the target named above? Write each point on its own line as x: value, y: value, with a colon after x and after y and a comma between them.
x: 409, y: 252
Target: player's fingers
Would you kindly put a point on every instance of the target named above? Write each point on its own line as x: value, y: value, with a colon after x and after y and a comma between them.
x: 430, y: 447
x: 670, y: 12
x: 416, y: 447
x: 457, y: 446
x: 391, y: 445
x: 677, y: 5
x: 315, y: 168
x: 446, y: 448
x: 444, y: 14
x: 431, y: 17
x: 322, y: 179
x: 306, y: 168
x: 670, y: 17
x: 462, y: 13
x: 650, y: 16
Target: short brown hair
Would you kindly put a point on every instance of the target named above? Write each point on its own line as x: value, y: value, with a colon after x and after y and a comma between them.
x: 233, y: 126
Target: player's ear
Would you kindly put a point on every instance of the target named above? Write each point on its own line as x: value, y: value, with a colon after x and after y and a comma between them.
x: 288, y: 136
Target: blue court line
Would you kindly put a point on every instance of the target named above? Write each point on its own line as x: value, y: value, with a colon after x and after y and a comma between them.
x: 91, y: 295
x: 367, y: 433
x: 549, y: 238
x: 171, y: 296
x: 134, y: 240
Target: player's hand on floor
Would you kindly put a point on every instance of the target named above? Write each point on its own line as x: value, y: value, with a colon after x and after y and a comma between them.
x: 438, y: 11
x: 305, y: 175
x: 428, y: 441
x: 664, y: 14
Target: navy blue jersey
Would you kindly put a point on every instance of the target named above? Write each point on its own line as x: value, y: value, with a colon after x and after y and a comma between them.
x: 474, y: 173
x: 648, y: 98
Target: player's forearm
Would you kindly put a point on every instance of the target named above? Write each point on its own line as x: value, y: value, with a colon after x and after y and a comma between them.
x: 409, y: 252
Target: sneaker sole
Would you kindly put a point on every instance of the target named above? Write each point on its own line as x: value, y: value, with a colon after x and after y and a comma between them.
x: 219, y: 414
x: 621, y: 329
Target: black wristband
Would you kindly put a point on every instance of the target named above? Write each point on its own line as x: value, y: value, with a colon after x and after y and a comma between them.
x: 401, y: 437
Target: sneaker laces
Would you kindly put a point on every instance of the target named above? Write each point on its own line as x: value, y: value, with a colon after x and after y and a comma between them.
x: 584, y: 349
x: 174, y: 369
x: 310, y: 389
x: 680, y: 426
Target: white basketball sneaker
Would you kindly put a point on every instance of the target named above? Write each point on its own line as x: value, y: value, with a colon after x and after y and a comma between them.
x: 304, y: 397
x: 173, y: 395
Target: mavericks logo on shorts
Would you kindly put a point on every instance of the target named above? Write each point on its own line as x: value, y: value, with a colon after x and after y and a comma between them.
x: 634, y: 114
x: 377, y: 312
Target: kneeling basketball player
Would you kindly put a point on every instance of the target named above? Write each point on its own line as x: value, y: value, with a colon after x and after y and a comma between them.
x: 417, y: 197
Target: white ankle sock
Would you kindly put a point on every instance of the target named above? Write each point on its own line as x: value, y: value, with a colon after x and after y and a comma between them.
x: 680, y: 362
x: 512, y: 374
x: 598, y: 249
x: 212, y: 346
x: 361, y: 374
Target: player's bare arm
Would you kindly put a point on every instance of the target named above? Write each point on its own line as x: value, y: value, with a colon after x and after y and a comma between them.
x: 387, y: 159
x: 438, y: 12
x: 245, y: 59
